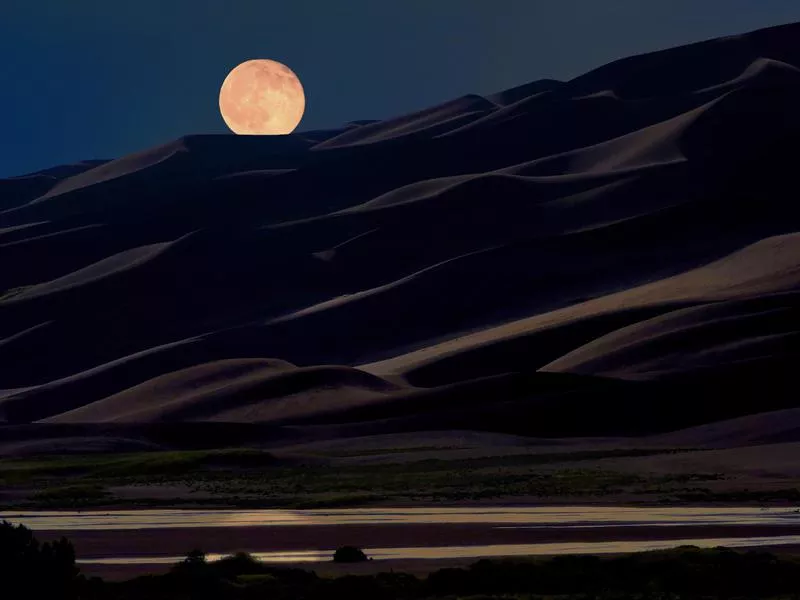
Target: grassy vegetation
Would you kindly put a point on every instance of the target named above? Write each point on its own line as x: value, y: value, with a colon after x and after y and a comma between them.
x: 706, y: 495
x: 255, y: 478
x: 130, y: 465
x: 71, y: 495
x: 431, y: 481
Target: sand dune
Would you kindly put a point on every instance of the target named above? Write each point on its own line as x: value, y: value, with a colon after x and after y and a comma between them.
x: 236, y: 391
x: 533, y: 262
x: 429, y: 121
x: 769, y: 267
x: 772, y: 427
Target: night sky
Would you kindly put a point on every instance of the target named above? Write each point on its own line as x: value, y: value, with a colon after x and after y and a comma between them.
x: 86, y: 79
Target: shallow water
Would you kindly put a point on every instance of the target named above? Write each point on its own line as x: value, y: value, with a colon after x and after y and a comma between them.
x: 476, y: 552
x: 555, y: 516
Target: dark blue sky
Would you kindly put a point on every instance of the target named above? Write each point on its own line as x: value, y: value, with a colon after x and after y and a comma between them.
x: 101, y: 78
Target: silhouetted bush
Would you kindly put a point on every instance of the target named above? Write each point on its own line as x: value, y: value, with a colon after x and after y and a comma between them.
x: 37, y: 570
x: 349, y: 554
x: 231, y: 567
x: 683, y: 572
x: 352, y: 587
x: 195, y: 564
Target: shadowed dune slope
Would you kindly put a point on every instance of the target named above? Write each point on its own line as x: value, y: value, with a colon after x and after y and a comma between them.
x: 614, y: 255
x: 238, y: 391
x: 773, y: 427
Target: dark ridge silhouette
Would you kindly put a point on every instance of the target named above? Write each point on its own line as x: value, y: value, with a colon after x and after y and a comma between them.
x: 533, y: 262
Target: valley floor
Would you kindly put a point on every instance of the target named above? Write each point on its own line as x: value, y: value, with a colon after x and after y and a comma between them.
x: 439, y: 469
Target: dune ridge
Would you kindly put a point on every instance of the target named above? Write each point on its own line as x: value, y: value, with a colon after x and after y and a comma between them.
x: 532, y: 262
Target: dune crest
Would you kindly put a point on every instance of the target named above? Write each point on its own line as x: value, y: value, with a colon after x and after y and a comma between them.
x: 499, y: 263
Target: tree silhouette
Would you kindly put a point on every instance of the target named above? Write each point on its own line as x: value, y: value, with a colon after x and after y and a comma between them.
x: 36, y: 569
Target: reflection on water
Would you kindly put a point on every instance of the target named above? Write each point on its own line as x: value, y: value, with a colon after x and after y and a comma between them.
x: 312, y: 556
x: 538, y: 517
x: 561, y: 516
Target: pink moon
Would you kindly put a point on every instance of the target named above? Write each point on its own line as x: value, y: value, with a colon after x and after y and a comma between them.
x: 262, y: 97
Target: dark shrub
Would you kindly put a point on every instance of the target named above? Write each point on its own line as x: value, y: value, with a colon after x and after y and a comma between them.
x: 352, y: 587
x: 193, y: 566
x: 241, y: 563
x: 40, y: 570
x: 349, y: 554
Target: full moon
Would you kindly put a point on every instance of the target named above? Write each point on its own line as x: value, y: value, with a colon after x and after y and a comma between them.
x: 262, y: 97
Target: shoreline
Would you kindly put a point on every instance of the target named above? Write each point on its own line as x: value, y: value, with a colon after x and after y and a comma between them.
x: 419, y: 567
x: 178, y: 540
x: 487, y: 503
